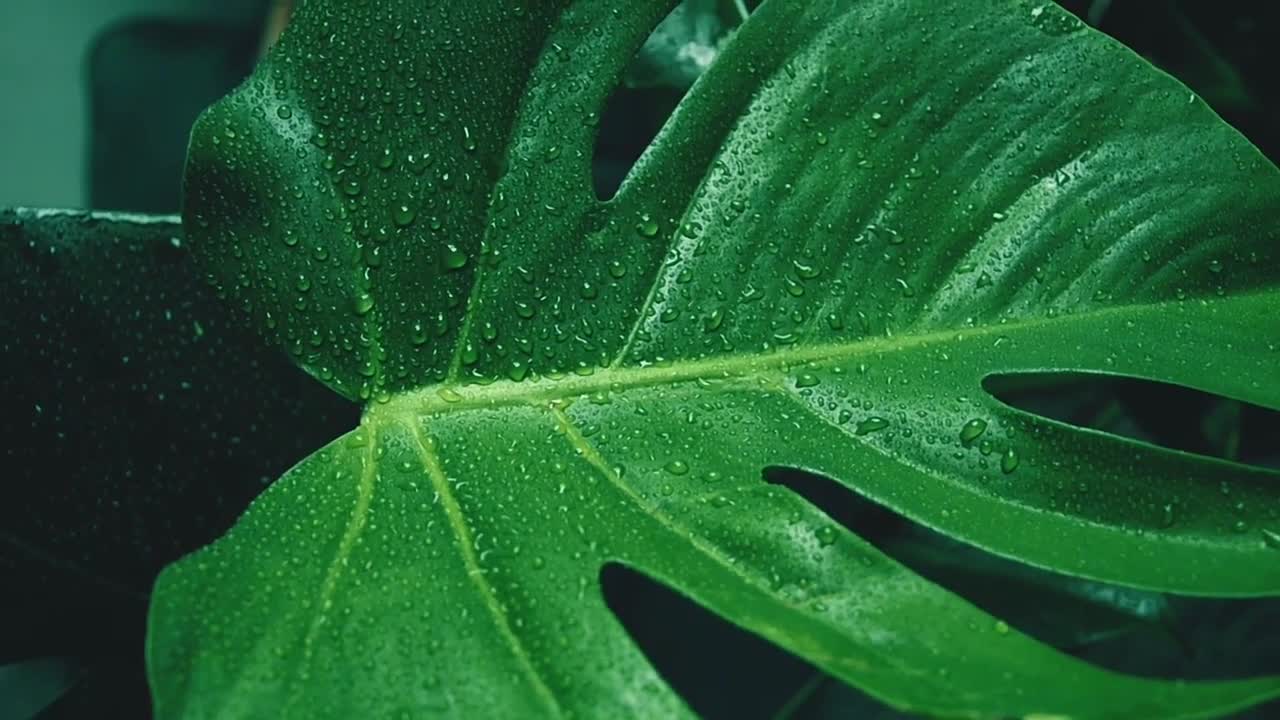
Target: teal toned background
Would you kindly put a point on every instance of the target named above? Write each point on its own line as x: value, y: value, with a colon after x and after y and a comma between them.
x: 44, y: 126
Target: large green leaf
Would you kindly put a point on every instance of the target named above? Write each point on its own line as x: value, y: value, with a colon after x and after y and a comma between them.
x: 862, y: 210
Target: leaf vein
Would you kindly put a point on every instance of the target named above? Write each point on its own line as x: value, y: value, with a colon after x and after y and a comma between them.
x: 359, y: 514
x: 431, y: 462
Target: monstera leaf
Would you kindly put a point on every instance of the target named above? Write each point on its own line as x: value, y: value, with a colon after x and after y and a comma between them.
x: 861, y: 211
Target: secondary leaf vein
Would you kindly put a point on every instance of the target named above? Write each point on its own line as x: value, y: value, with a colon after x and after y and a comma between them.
x: 430, y: 460
x: 359, y: 514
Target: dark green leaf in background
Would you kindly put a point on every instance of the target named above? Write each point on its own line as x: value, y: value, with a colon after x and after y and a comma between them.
x: 130, y: 434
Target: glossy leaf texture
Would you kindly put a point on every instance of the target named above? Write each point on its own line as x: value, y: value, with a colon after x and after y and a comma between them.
x: 859, y: 212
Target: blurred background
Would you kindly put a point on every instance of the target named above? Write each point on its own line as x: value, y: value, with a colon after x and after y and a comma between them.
x: 97, y: 97
x: 48, y: 62
x: 98, y: 94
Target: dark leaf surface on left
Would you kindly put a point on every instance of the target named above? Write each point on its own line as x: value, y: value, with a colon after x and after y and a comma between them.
x: 138, y: 425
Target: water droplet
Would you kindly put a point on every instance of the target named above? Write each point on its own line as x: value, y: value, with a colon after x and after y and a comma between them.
x: 617, y: 269
x: 525, y: 310
x: 827, y: 535
x: 454, y: 259
x: 1002, y: 627
x: 403, y: 215
x: 870, y: 425
x: 972, y: 430
x: 418, y: 334
x: 1009, y: 461
x: 676, y: 467
x: 448, y: 395
x: 647, y: 227
x: 363, y: 303
x: 805, y: 271
x: 284, y: 112
x: 517, y: 372
x: 806, y: 380
x: 713, y: 321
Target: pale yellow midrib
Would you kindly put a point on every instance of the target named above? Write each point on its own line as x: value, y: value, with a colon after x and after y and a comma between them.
x: 452, y: 397
x: 466, y: 545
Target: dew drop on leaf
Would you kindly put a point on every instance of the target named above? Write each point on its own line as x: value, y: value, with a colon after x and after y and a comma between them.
x: 403, y: 215
x: 1009, y: 461
x: 517, y: 372
x: 972, y: 430
x: 454, y: 259
x: 806, y: 380
x: 870, y: 425
x: 805, y: 270
x: 826, y: 535
x: 677, y: 467
x: 713, y: 321
x: 647, y: 227
x: 363, y: 303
